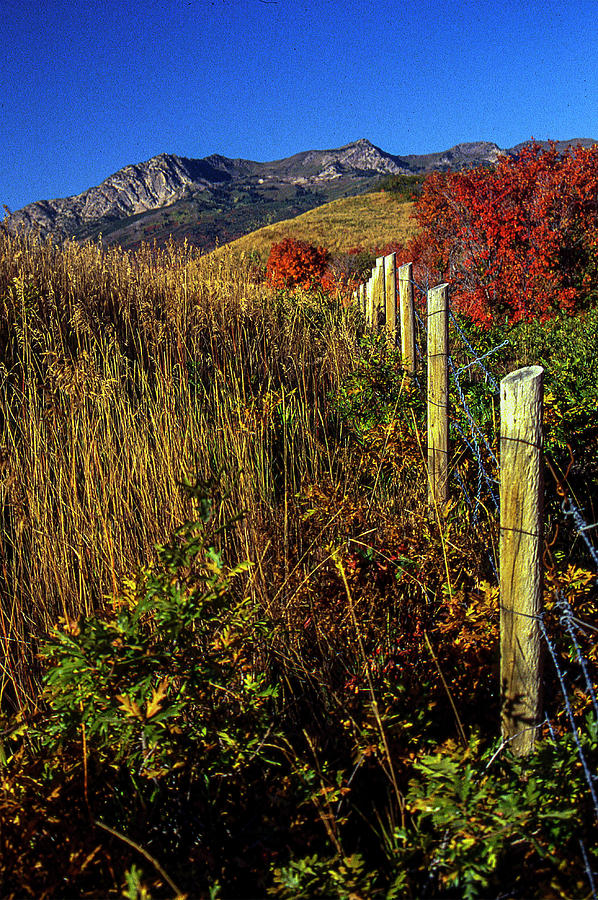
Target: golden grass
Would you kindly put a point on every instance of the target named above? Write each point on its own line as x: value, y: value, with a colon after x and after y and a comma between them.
x: 369, y: 221
x: 122, y: 374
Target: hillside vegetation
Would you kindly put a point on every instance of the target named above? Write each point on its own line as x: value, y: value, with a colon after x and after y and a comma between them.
x: 240, y: 655
x: 369, y: 221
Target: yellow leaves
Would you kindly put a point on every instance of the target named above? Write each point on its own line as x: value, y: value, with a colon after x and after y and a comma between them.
x: 152, y: 706
x: 421, y: 804
x: 575, y: 583
x: 128, y: 593
x: 578, y: 579
x: 490, y: 592
x: 129, y: 707
x: 70, y: 625
x: 155, y: 704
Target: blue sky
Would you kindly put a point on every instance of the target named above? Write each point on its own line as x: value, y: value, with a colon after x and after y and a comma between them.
x: 88, y: 86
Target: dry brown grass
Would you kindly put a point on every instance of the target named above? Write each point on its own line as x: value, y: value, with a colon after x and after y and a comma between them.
x: 369, y: 221
x: 120, y: 375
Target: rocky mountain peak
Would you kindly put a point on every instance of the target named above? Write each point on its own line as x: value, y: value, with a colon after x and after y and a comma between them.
x: 364, y: 155
x: 280, y: 188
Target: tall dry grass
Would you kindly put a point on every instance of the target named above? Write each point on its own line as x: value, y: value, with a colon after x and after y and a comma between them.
x: 120, y: 376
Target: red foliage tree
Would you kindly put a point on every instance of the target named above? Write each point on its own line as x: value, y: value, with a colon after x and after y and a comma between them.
x: 296, y: 264
x: 518, y: 241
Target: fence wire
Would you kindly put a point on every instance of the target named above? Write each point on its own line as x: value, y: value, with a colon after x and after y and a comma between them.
x: 570, y: 510
x: 487, y: 479
x: 570, y: 626
x: 463, y: 424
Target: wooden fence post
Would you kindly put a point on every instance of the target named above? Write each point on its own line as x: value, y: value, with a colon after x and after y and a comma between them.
x: 390, y: 290
x: 407, y: 316
x: 369, y: 302
x: 379, y: 291
x: 521, y: 541
x: 438, y: 397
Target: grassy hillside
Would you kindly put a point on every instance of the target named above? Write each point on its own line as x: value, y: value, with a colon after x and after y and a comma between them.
x: 370, y: 221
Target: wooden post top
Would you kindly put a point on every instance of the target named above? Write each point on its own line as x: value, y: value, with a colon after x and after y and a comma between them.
x: 522, y: 374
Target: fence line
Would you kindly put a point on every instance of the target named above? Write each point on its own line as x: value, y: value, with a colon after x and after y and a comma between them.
x: 521, y: 647
x: 414, y: 357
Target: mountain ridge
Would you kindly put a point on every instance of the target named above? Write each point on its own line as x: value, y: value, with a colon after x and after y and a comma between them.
x: 225, y: 196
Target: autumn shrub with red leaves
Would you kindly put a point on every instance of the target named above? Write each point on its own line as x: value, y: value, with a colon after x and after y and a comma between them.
x: 293, y: 263
x: 297, y: 264
x: 516, y: 242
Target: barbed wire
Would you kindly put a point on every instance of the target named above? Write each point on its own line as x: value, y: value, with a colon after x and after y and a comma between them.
x: 570, y: 623
x: 475, y: 429
x: 476, y: 442
x: 570, y: 509
x: 476, y: 358
x: 590, y: 779
x: 589, y: 872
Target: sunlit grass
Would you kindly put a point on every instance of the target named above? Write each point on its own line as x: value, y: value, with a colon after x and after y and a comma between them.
x: 122, y: 375
x: 369, y: 221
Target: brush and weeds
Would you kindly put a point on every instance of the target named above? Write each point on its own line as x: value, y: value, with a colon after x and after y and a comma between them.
x: 239, y: 657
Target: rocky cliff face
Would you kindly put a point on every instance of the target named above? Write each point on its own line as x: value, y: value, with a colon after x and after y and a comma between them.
x: 135, y: 189
x: 221, y: 184
x: 360, y: 157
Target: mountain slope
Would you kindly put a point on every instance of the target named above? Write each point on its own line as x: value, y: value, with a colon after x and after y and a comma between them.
x: 216, y: 199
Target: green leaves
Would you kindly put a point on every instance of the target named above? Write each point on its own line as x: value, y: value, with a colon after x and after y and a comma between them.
x: 165, y: 674
x: 313, y: 876
x: 470, y: 812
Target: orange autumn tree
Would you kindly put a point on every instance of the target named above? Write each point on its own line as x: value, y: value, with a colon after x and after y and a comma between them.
x: 518, y: 241
x: 293, y: 263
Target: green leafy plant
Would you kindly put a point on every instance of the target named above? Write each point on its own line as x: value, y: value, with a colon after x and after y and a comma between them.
x: 482, y: 823
x: 159, y: 697
x: 567, y: 347
x: 169, y: 669
x: 376, y: 391
x: 317, y: 876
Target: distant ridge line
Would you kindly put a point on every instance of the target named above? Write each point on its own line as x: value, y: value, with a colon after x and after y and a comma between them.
x: 217, y: 199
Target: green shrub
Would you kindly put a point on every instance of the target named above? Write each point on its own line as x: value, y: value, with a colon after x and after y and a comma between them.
x: 160, y: 707
x: 484, y: 825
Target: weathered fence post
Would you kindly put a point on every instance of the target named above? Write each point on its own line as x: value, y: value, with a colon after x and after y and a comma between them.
x: 390, y: 290
x: 379, y: 291
x: 521, y: 540
x: 438, y: 397
x: 369, y: 302
x: 407, y: 318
